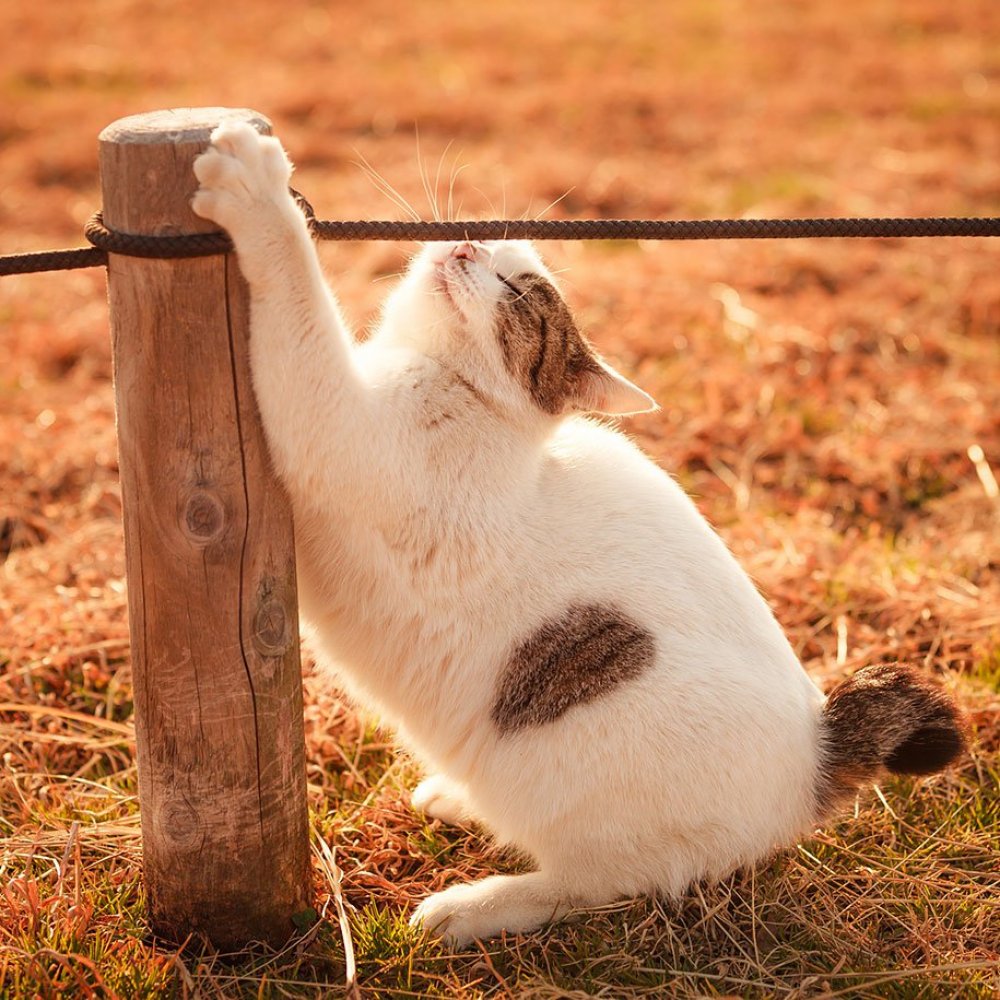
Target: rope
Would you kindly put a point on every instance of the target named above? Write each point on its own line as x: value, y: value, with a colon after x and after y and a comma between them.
x: 166, y: 247
x: 649, y: 229
x: 52, y: 260
x: 105, y: 241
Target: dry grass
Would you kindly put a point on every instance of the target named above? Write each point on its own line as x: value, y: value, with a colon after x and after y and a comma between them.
x: 833, y: 406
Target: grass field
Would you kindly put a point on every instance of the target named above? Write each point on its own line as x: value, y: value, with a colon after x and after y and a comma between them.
x: 834, y: 407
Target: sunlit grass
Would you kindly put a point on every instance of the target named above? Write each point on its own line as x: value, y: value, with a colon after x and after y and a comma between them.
x: 900, y: 899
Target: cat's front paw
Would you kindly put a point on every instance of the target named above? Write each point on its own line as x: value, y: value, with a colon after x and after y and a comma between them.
x: 449, y: 916
x: 243, y: 177
x: 484, y: 909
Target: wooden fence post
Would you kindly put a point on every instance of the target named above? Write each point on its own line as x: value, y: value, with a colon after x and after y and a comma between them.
x: 210, y: 560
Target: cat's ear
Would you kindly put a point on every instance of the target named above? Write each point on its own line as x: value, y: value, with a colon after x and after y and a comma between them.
x: 602, y: 390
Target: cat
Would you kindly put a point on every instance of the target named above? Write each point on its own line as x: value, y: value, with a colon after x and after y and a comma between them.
x: 538, y: 610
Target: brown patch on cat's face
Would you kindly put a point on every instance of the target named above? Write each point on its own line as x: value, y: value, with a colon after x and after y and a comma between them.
x: 569, y: 661
x: 542, y: 347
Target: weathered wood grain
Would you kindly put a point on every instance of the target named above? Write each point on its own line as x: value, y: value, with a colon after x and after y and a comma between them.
x: 210, y: 560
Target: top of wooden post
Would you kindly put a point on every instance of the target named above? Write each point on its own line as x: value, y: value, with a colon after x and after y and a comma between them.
x: 134, y: 159
x: 179, y: 125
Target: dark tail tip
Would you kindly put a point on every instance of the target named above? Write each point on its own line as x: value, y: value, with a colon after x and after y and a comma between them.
x: 927, y: 751
x: 886, y: 717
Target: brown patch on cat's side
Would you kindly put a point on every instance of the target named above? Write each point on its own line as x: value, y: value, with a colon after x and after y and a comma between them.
x: 885, y: 717
x: 541, y: 344
x: 569, y: 661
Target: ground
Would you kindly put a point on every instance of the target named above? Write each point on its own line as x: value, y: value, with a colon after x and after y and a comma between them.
x: 833, y: 406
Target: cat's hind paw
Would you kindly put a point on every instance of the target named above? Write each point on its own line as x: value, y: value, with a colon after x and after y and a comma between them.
x: 440, y: 799
x: 242, y: 175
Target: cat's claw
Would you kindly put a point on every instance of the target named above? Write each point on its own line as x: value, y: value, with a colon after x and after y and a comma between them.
x: 242, y: 176
x: 440, y: 917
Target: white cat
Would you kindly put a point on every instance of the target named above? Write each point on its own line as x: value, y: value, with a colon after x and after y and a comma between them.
x: 537, y: 608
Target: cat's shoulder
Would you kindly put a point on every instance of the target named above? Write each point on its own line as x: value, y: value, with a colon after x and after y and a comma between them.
x: 585, y: 450
x: 593, y: 440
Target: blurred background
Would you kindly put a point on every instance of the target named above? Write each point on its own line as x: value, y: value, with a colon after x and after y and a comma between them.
x: 834, y: 406
x: 845, y: 377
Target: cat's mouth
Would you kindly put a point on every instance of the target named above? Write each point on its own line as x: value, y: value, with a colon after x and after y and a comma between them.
x: 451, y: 271
x: 445, y: 281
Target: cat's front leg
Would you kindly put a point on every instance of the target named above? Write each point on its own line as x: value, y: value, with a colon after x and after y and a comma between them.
x: 307, y: 386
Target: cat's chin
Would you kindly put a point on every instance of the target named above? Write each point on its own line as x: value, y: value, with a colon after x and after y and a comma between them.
x: 446, y: 284
x: 438, y: 280
x: 439, y: 277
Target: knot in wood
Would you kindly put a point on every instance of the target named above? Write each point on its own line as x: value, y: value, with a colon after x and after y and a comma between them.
x: 204, y: 517
x: 271, y: 633
x: 179, y: 825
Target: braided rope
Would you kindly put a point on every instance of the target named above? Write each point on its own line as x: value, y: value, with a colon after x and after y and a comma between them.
x: 105, y: 241
x: 132, y: 245
x: 52, y: 260
x: 648, y: 229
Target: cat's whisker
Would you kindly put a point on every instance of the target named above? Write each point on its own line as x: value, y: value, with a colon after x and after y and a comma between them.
x: 455, y: 173
x: 563, y: 282
x: 388, y: 277
x: 489, y: 201
x: 437, y: 173
x: 503, y: 206
x: 384, y: 187
x: 552, y: 204
x: 399, y: 201
x: 425, y: 179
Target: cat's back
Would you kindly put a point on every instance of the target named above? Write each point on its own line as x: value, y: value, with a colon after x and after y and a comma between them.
x: 603, y: 505
x: 611, y: 527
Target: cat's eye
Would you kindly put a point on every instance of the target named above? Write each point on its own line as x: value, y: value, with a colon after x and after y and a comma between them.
x: 509, y: 284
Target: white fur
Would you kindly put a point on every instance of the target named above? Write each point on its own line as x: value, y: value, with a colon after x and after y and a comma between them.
x: 436, y: 531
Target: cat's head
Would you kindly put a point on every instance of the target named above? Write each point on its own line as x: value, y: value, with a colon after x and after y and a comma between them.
x: 493, y: 310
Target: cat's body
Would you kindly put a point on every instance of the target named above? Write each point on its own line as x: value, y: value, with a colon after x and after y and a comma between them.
x: 538, y: 609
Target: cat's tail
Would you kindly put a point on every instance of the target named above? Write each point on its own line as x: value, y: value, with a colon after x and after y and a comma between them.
x: 885, y: 717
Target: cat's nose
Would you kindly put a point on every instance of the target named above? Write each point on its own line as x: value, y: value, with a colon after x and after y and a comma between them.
x: 467, y: 250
